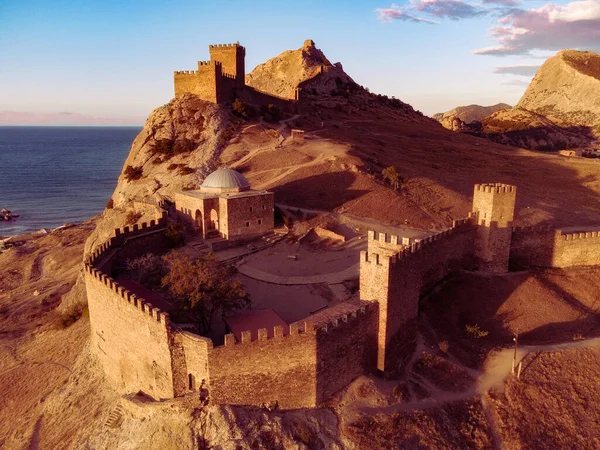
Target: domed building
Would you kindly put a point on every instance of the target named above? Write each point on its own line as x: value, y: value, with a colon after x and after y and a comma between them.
x: 225, y: 206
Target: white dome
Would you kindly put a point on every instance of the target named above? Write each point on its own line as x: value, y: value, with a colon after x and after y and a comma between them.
x: 225, y: 180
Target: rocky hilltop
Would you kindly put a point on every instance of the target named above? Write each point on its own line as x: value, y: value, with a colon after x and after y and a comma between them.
x: 468, y: 114
x: 560, y: 109
x: 282, y: 74
x: 566, y: 89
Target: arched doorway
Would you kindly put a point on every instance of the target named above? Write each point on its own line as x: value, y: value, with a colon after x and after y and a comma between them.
x: 198, y: 221
x: 214, y: 220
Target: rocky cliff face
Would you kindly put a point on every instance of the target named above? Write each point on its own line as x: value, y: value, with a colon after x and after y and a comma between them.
x: 282, y: 74
x: 560, y: 109
x: 175, y: 150
x: 566, y: 89
x: 468, y: 113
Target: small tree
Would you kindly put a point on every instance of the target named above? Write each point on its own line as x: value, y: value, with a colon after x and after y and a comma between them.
x: 242, y: 109
x: 148, y: 270
x: 204, y: 288
x: 393, y: 177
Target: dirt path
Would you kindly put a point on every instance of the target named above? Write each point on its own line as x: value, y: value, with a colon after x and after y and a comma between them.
x: 496, y: 368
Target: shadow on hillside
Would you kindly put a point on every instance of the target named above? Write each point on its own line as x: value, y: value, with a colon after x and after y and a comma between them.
x: 325, y: 191
x: 542, y: 138
x: 530, y: 301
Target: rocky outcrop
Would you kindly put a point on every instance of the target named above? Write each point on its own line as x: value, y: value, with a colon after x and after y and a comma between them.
x: 175, y: 150
x: 522, y: 128
x: 566, y: 89
x: 468, y: 114
x: 6, y: 214
x: 282, y: 74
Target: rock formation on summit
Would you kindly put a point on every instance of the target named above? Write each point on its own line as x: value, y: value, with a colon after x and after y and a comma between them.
x: 281, y: 74
x: 566, y: 89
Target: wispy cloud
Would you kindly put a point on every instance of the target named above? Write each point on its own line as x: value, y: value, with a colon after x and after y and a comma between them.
x: 550, y: 27
x: 526, y: 71
x: 394, y: 12
x: 437, y: 9
x: 519, y: 83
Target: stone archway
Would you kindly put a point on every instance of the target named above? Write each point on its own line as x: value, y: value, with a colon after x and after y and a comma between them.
x: 214, y: 220
x: 198, y: 221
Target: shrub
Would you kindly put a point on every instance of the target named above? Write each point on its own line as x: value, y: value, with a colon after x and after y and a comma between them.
x: 133, y: 217
x: 169, y: 147
x: 110, y: 204
x: 391, y: 175
x: 444, y: 346
x: 475, y: 332
x: 270, y: 113
x: 174, y: 234
x: 133, y: 173
x: 72, y: 314
x: 185, y: 170
x: 147, y: 270
x: 242, y: 109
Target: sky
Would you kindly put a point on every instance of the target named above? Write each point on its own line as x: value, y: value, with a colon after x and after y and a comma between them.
x: 112, y: 61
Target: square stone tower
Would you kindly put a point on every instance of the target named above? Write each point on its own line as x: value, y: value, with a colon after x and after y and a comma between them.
x: 232, y: 58
x: 495, y: 208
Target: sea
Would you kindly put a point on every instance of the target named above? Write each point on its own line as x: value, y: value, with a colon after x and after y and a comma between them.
x: 56, y: 175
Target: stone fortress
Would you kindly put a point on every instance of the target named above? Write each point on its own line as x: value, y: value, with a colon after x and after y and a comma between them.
x: 301, y: 364
x: 222, y: 80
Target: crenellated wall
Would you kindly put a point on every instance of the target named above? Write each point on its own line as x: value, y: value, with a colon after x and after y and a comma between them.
x: 130, y: 337
x: 545, y: 246
x: 141, y: 350
x: 576, y: 249
x: 396, y: 281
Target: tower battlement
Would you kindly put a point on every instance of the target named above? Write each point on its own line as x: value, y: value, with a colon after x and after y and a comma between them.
x: 497, y: 188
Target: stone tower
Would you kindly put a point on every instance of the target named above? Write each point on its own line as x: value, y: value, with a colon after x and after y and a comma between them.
x: 494, y: 205
x: 232, y: 58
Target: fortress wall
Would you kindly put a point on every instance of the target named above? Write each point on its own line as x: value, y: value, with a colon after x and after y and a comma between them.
x: 531, y: 247
x: 576, y: 249
x: 255, y: 97
x: 195, y: 358
x: 346, y: 349
x: 244, y: 213
x: 281, y: 368
x: 202, y: 82
x: 397, y: 282
x: 130, y: 338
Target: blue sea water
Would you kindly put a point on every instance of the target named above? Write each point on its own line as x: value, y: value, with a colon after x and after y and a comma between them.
x: 53, y: 175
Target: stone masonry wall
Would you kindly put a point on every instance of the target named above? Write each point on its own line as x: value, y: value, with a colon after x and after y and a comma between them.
x: 532, y: 247
x: 204, y: 82
x: 396, y: 283
x: 346, y: 349
x: 129, y: 337
x: 576, y: 249
x: 248, y: 216
x: 543, y: 246
x: 281, y: 368
x: 494, y: 205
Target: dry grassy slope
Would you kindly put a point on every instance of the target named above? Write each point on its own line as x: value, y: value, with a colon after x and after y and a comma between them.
x: 338, y: 168
x: 563, y: 89
x: 555, y: 404
x: 471, y: 113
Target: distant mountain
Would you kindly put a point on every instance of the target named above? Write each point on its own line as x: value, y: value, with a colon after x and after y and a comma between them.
x: 560, y: 108
x: 470, y: 113
x: 566, y: 89
x: 64, y: 119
